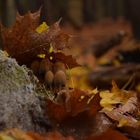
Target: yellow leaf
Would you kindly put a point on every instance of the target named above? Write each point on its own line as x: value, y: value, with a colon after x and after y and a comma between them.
x: 51, y: 48
x: 116, y: 62
x: 123, y: 122
x: 78, y: 79
x: 16, y: 134
x: 109, y: 99
x: 41, y: 56
x: 94, y: 91
x: 6, y: 53
x: 43, y: 27
x: 138, y: 87
x: 103, y: 61
x: 5, y: 137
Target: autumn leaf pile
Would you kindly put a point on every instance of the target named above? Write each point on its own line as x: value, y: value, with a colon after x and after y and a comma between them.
x: 76, y: 110
x: 25, y: 40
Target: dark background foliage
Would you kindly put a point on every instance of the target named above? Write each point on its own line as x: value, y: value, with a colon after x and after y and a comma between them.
x: 75, y: 12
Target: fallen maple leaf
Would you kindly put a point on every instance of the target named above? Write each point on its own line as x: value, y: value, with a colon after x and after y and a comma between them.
x: 26, y: 39
x: 71, y: 103
x: 73, y: 112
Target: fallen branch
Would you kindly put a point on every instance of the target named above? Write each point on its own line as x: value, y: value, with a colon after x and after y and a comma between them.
x: 102, y: 78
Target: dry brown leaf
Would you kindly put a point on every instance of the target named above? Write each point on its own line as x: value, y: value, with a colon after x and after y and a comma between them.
x: 72, y: 103
x: 109, y: 135
x: 24, y: 43
x: 125, y: 115
x: 49, y: 136
x: 120, y: 105
x: 68, y: 60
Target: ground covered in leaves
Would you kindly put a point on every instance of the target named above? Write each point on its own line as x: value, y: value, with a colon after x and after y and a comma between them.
x: 86, y: 87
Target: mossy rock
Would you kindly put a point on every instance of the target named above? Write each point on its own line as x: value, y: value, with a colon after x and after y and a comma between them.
x: 19, y: 104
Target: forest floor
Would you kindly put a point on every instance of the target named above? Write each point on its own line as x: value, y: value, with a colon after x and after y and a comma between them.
x: 87, y: 81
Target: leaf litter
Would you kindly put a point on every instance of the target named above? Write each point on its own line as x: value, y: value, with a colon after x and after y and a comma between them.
x: 76, y: 109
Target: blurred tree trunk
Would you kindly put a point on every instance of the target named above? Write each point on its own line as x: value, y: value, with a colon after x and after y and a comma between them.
x: 89, y: 10
x: 8, y: 12
x: 133, y: 14
x: 23, y: 6
x: 121, y: 8
x: 111, y: 8
x: 7, y: 15
x: 1, y: 42
x: 100, y: 9
x: 47, y: 11
x: 28, y: 5
x: 34, y: 6
x: 114, y: 8
x: 75, y: 12
x: 53, y: 10
x: 1, y: 45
